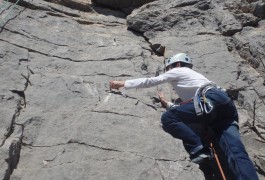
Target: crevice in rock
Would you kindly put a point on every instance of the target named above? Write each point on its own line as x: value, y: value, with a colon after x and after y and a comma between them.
x: 245, y: 53
x: 255, y: 130
x: 149, y: 105
x: 34, y: 37
x: 260, y: 169
x: 183, y: 4
x: 84, y: 7
x: 126, y: 96
x: 258, y: 164
x: 41, y: 146
x: 65, y: 12
x: 20, y: 105
x: 23, y: 102
x: 226, y: 32
x: 157, y: 49
x: 135, y: 70
x: 152, y: 158
x: 165, y: 160
x: 74, y: 141
x: 11, y: 127
x: 234, y: 92
x: 121, y: 75
x: 22, y: 60
x: 86, y: 22
x: 20, y: 93
x: 160, y: 172
x: 260, y: 98
x: 16, y: 144
x: 16, y: 32
x: 110, y: 112
x: 139, y: 33
x: 104, y: 160
x: 247, y: 8
x: 208, y: 33
x: 32, y: 50
x: 30, y: 5
x: 25, y: 60
x: 71, y: 141
x: 203, y: 5
x: 95, y: 7
x: 64, y: 58
x: 49, y: 9
x: 72, y: 5
x: 103, y: 74
x: 252, y: 125
x: 54, y: 14
x: 230, y: 33
x: 13, y: 159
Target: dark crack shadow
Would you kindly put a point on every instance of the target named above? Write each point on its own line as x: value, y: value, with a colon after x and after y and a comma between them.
x: 13, y: 159
x: 11, y: 127
x: 16, y: 144
x: 109, y: 11
x: 130, y: 97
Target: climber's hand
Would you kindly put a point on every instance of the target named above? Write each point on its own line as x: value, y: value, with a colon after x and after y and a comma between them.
x: 116, y: 84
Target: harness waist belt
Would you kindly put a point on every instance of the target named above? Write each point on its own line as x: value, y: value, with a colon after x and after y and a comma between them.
x: 203, y: 107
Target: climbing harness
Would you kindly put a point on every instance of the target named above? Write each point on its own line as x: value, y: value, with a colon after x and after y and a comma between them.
x: 201, y: 103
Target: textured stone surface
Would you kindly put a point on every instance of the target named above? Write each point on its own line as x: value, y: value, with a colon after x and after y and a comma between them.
x: 251, y: 44
x: 60, y: 121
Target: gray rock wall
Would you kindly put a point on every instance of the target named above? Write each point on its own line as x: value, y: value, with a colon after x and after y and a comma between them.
x: 59, y: 120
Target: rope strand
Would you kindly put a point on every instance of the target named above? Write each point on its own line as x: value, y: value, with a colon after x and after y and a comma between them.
x: 217, y: 161
x: 8, y: 13
x: 4, y: 4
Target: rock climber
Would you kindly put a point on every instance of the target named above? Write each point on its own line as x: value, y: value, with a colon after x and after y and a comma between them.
x: 202, y: 102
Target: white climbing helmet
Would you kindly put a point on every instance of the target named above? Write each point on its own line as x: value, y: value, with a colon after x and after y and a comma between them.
x: 180, y: 57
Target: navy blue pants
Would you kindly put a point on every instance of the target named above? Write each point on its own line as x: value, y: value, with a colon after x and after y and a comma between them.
x: 180, y: 120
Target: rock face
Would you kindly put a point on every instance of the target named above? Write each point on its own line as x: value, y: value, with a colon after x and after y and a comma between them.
x: 59, y: 120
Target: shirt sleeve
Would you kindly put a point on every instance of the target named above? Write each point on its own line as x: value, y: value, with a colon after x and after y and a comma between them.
x: 149, y: 82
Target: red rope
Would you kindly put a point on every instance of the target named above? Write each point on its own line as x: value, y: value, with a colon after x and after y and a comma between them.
x: 217, y: 161
x: 185, y: 102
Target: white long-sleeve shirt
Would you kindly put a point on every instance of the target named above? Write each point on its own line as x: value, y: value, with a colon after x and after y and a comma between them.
x: 184, y: 80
